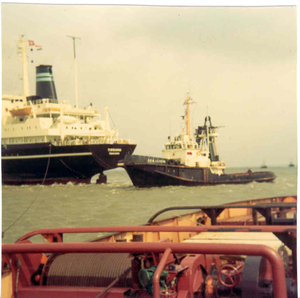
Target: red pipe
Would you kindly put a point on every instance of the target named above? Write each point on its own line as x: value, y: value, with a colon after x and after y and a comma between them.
x: 93, y: 247
x: 274, y: 229
x: 159, y: 270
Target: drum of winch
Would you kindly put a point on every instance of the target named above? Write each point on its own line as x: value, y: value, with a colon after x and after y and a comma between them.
x: 87, y: 270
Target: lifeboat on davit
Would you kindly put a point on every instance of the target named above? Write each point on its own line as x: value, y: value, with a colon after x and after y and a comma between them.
x: 21, y: 111
x: 67, y: 119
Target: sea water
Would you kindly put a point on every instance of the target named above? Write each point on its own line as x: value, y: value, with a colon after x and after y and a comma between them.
x: 118, y: 203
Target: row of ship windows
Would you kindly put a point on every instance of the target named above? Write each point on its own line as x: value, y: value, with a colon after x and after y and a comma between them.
x: 39, y: 101
x: 12, y: 141
x: 29, y: 127
x: 42, y: 140
x: 178, y: 146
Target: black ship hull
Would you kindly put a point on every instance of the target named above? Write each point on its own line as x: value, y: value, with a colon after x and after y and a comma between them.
x: 156, y: 172
x: 46, y: 163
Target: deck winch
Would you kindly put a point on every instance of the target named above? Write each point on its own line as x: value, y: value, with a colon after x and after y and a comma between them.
x: 183, y: 275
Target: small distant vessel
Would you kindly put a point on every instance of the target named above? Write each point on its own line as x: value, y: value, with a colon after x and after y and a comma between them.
x: 291, y: 165
x: 264, y: 165
x: 188, y: 160
x: 45, y: 141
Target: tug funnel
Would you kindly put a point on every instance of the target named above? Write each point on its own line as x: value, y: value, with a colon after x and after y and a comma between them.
x: 45, y: 87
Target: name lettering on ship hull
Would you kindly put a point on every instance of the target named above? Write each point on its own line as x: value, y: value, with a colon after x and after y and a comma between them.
x: 114, y: 151
x: 152, y: 160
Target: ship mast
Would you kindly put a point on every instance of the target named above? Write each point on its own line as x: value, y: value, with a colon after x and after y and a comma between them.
x: 24, y: 69
x: 186, y: 117
x: 75, y: 69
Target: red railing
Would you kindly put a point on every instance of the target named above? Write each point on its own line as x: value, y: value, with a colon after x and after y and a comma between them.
x: 198, y: 229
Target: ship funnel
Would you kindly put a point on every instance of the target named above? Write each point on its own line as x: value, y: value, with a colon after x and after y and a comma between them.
x: 45, y: 87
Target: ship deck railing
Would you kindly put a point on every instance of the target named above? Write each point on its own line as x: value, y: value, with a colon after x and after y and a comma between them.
x: 89, y: 142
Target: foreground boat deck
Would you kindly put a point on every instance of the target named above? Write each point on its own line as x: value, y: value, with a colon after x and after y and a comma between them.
x: 244, y: 249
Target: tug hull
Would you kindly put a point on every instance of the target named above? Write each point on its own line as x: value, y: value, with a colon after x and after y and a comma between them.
x: 145, y: 174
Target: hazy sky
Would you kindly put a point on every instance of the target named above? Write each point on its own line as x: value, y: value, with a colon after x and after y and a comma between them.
x: 237, y: 63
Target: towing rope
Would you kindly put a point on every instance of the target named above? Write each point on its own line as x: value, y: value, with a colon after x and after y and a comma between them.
x: 72, y: 170
x: 44, y: 179
x: 108, y: 167
x: 101, y: 161
x: 114, y: 282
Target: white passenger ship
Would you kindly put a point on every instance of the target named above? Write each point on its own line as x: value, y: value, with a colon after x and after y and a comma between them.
x: 44, y: 141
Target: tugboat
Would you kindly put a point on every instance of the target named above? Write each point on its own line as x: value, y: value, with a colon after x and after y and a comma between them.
x: 45, y: 142
x: 188, y: 160
x: 264, y: 165
x: 291, y: 165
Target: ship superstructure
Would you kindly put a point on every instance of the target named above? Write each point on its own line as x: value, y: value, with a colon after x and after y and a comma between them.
x: 40, y: 119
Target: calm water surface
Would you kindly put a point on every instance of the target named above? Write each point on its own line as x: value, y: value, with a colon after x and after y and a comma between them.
x: 119, y: 202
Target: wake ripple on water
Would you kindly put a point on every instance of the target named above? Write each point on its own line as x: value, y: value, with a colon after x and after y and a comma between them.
x: 119, y: 203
